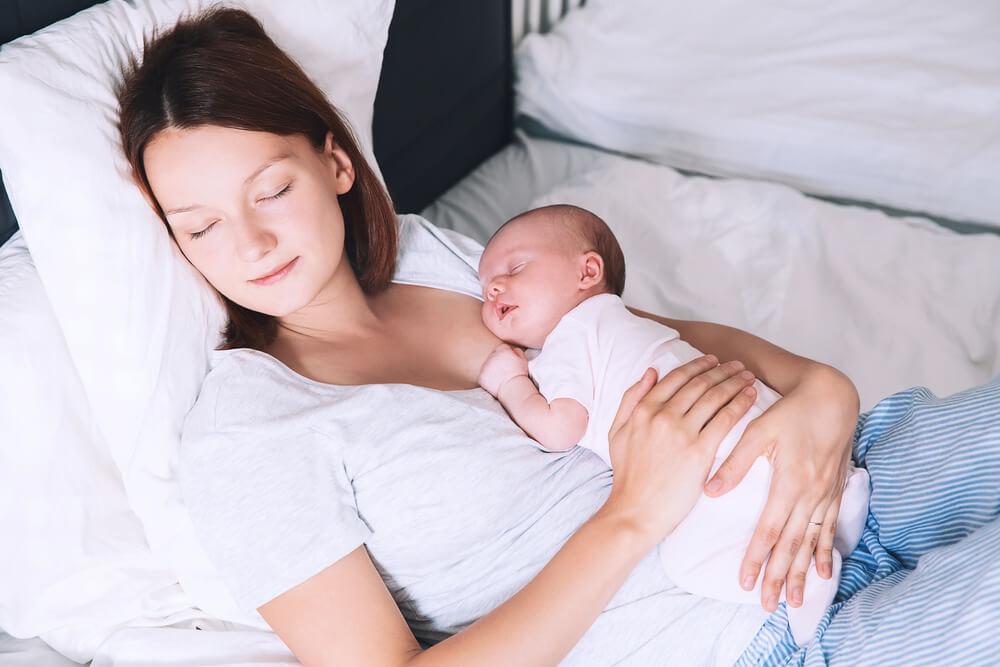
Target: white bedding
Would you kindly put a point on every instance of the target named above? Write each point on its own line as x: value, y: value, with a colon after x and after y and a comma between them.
x: 215, y: 645
x: 894, y: 102
x: 893, y: 302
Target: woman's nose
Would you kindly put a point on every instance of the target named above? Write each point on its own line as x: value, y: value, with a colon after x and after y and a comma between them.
x: 253, y: 241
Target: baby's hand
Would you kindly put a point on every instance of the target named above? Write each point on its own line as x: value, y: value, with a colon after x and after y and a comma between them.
x: 505, y: 362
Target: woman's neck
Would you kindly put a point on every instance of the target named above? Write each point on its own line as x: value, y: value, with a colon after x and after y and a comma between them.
x: 341, y: 311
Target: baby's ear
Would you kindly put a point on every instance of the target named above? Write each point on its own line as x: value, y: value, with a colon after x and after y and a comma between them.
x: 591, y: 270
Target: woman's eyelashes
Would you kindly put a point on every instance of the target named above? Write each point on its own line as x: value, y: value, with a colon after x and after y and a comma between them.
x: 280, y: 193
x: 198, y: 235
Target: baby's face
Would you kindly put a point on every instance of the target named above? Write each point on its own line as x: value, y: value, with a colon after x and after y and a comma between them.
x: 530, y: 278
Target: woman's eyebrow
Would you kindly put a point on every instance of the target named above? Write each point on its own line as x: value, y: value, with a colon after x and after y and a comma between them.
x: 257, y: 172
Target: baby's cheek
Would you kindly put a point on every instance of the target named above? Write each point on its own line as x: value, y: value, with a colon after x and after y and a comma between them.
x: 489, y: 319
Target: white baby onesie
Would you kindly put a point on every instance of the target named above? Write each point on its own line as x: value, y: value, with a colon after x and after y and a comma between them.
x: 597, y: 351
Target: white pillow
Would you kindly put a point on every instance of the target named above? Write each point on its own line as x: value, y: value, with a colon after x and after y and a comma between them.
x: 893, y: 102
x: 138, y: 321
x: 76, y: 565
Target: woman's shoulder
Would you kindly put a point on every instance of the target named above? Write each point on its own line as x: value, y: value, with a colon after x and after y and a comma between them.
x: 254, y: 413
x: 248, y: 389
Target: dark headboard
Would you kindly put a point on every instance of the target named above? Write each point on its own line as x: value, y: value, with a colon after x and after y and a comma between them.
x: 445, y: 99
x: 444, y: 102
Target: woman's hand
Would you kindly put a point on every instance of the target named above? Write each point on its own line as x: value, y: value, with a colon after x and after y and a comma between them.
x: 806, y: 436
x: 664, y: 439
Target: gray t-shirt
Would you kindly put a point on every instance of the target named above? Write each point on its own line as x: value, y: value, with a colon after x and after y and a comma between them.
x: 457, y: 507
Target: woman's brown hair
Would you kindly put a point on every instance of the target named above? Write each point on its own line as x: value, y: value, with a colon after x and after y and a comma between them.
x: 220, y: 68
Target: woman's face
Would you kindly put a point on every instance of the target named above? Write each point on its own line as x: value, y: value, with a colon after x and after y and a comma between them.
x: 256, y: 213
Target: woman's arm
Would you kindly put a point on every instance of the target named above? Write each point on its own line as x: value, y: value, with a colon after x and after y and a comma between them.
x: 806, y: 436
x: 662, y: 444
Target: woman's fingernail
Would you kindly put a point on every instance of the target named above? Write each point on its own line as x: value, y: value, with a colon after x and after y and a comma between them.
x: 747, y: 583
x: 746, y: 375
x: 797, y: 597
x: 713, y: 486
x: 771, y: 603
x: 750, y: 391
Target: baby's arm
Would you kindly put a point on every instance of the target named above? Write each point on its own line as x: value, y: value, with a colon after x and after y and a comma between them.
x: 557, y: 425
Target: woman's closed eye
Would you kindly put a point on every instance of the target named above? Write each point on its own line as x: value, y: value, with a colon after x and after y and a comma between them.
x: 199, y: 234
x: 280, y: 193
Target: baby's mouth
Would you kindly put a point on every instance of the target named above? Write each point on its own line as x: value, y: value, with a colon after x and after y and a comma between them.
x: 503, y: 310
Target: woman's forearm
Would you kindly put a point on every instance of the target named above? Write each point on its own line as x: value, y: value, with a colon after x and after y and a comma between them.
x: 778, y: 368
x: 545, y: 619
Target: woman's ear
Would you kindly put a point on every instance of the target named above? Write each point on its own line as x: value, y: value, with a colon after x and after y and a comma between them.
x: 340, y: 164
x: 592, y: 270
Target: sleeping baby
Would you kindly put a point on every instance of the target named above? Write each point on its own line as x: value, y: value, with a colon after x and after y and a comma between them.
x: 552, y: 280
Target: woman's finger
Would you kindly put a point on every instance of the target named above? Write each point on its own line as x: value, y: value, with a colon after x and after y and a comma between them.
x: 750, y: 446
x: 697, y: 382
x: 796, y: 581
x: 631, y: 398
x: 711, y: 408
x: 769, y: 527
x: 680, y: 377
x: 824, y: 548
x: 783, y: 554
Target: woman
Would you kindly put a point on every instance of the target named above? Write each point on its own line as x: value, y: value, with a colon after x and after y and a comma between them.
x: 328, y: 463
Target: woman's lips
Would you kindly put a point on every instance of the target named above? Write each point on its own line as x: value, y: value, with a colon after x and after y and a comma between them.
x: 272, y: 278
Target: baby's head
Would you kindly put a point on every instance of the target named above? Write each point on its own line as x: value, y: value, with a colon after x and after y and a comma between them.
x: 543, y: 263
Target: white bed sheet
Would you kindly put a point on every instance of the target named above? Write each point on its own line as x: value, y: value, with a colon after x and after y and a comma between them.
x: 30, y: 653
x: 893, y: 302
x: 215, y: 644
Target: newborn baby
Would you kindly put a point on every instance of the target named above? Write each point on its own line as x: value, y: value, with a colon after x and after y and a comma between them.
x: 552, y: 281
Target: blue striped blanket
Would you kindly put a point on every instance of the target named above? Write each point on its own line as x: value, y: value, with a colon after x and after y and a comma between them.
x: 923, y: 586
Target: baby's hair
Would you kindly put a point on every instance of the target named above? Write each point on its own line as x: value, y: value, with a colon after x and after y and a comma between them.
x: 594, y: 236
x: 219, y: 68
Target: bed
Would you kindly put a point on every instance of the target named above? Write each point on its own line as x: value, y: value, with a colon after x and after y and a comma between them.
x: 825, y: 179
